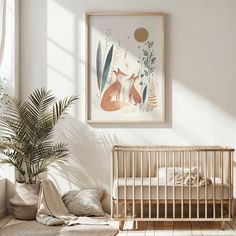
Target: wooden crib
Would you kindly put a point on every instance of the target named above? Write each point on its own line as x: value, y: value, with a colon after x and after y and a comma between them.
x: 168, y: 183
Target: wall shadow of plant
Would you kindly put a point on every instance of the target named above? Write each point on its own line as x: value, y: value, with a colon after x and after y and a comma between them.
x: 88, y: 165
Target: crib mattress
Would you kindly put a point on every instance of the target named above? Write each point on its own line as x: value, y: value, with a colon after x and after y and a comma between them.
x: 119, y: 190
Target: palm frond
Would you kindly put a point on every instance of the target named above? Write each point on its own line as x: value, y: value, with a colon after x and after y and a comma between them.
x: 56, y: 154
x: 12, y: 158
x: 6, y: 129
x: 15, y: 129
x: 41, y: 99
x: 11, y: 145
x: 46, y: 151
x: 60, y: 107
x: 11, y: 108
x: 41, y: 102
x: 15, y: 120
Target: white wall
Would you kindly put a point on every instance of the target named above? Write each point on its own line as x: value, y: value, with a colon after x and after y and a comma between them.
x: 200, y: 78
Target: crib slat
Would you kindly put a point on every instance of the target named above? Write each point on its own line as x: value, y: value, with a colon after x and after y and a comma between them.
x: 206, y: 187
x: 125, y: 173
x: 190, y: 187
x: 212, y: 175
x: 230, y: 178
x: 214, y: 183
x: 117, y: 182
x: 173, y: 184
x: 133, y: 165
x: 197, y: 185
x: 129, y: 174
x: 123, y: 164
x: 141, y: 184
x: 112, y: 182
x: 222, y: 178
x: 157, y: 154
x: 231, y: 182
x: 149, y: 190
x: 182, y: 159
x: 165, y: 185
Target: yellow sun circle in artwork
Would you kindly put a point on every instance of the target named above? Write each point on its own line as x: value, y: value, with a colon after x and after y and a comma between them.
x: 141, y: 35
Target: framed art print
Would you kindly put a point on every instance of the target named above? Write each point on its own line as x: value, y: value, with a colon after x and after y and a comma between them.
x: 125, y: 67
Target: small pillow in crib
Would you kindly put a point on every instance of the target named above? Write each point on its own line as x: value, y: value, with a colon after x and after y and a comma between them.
x: 85, y: 202
x: 166, y: 173
x: 169, y: 173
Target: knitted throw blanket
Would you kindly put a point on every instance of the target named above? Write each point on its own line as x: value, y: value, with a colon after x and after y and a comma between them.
x: 52, y: 211
x: 192, y: 178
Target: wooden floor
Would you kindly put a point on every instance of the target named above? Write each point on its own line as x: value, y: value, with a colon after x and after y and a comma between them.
x: 165, y: 229
x: 178, y: 228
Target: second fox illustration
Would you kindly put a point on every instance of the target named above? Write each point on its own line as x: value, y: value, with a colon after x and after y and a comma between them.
x: 133, y: 93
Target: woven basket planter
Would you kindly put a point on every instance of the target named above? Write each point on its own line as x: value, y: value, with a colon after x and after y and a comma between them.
x: 24, y: 202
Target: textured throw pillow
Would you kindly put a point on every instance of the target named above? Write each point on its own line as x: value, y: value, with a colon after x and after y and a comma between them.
x: 85, y: 202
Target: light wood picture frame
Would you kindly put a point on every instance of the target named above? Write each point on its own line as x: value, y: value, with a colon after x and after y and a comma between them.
x: 125, y: 67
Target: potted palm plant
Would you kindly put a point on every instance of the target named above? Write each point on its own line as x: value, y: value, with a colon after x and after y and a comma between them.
x: 26, y: 132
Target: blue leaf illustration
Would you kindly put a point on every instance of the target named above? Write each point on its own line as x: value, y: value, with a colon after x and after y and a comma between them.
x: 99, y: 65
x: 144, y: 94
x: 106, y: 67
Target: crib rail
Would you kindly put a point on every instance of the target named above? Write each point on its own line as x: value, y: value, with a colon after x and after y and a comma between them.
x: 169, y: 183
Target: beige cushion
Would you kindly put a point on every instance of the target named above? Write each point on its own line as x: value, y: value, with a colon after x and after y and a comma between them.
x: 85, y: 202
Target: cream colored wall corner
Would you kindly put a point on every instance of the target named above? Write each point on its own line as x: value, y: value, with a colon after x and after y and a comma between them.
x: 200, y: 78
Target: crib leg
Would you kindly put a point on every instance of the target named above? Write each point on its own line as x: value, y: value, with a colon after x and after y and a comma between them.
x: 222, y: 225
x: 121, y: 225
x: 136, y: 224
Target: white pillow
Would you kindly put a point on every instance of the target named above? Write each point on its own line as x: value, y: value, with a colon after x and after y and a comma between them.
x: 162, y: 172
x: 85, y: 202
x: 169, y: 172
x: 166, y: 173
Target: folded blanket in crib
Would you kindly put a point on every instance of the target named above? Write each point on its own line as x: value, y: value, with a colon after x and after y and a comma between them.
x: 52, y: 211
x: 191, y: 178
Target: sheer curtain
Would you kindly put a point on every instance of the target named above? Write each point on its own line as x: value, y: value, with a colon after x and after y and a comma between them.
x: 2, y: 27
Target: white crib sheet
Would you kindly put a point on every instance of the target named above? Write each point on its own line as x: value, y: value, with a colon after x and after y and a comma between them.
x: 120, y: 191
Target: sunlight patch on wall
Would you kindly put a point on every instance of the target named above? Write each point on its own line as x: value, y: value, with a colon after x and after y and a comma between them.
x: 60, y: 60
x: 199, y: 120
x: 64, y: 19
x: 61, y: 85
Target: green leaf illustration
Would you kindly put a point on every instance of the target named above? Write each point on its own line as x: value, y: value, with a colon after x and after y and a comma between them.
x: 99, y: 65
x: 153, y: 60
x: 106, y: 67
x: 144, y: 94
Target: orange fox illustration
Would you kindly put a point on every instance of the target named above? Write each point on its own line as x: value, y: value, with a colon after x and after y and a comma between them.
x: 133, y: 93
x: 113, y: 90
